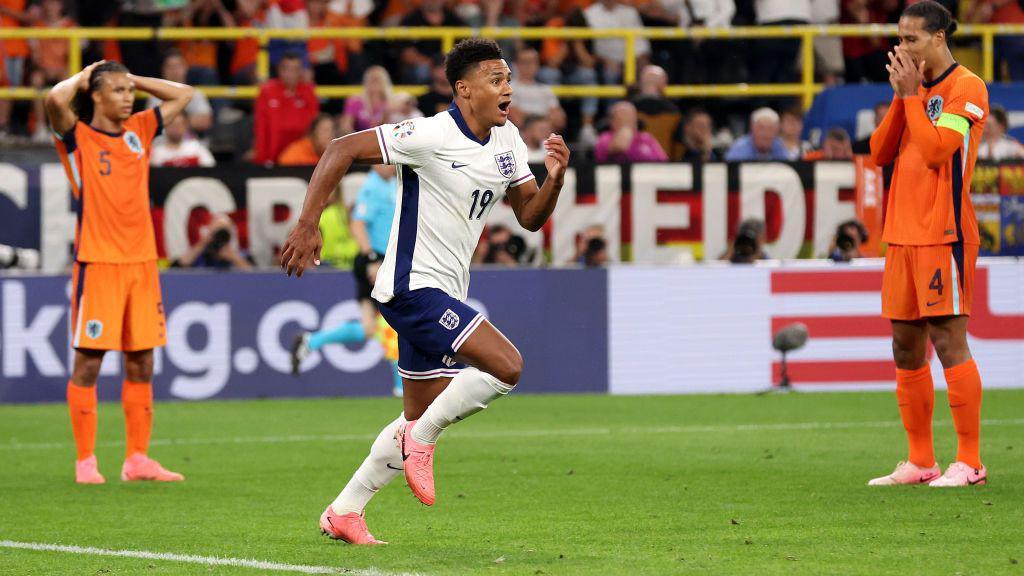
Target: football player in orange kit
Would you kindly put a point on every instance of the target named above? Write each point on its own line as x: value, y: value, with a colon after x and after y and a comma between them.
x: 932, y: 131
x: 116, y: 302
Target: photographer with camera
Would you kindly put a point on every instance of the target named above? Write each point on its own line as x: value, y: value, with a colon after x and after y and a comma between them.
x: 850, y: 235
x: 748, y: 246
x: 217, y: 248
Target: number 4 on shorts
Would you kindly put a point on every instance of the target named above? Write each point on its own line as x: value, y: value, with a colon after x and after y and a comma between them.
x: 936, y: 283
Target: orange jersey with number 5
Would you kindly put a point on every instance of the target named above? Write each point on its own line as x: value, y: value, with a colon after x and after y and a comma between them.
x: 109, y: 175
x: 931, y: 206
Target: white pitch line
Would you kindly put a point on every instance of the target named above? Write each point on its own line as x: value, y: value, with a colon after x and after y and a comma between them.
x: 192, y: 559
x: 599, y: 431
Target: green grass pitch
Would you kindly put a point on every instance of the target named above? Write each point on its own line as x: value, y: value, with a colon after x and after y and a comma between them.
x: 534, y: 485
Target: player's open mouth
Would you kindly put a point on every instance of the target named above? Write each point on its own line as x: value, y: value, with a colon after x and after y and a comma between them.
x: 503, y: 106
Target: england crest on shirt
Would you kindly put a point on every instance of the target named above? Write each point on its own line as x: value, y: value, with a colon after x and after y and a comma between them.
x: 934, y: 108
x: 506, y: 163
x: 133, y: 142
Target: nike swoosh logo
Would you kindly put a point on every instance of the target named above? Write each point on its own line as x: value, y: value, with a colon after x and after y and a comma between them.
x: 457, y: 166
x: 393, y: 468
x: 930, y: 304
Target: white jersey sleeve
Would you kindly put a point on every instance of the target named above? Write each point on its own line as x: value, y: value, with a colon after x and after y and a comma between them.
x: 410, y: 142
x: 522, y: 173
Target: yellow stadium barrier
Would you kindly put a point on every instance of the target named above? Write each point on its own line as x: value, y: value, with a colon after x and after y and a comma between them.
x: 806, y: 88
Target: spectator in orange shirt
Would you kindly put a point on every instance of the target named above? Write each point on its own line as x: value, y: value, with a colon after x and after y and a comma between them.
x: 307, y: 151
x: 14, y: 52
x: 200, y: 54
x: 285, y: 108
x: 50, y: 61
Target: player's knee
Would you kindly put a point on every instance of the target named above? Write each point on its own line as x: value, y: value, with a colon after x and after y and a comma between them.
x: 907, y: 355
x: 86, y: 371
x: 139, y: 368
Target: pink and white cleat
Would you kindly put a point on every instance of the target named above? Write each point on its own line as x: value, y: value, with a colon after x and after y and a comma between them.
x: 349, y: 527
x: 418, y: 460
x: 960, y: 474
x: 141, y: 467
x: 908, y: 473
x: 87, y: 471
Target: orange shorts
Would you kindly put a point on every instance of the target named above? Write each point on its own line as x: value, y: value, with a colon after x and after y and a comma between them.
x: 116, y: 306
x: 923, y: 281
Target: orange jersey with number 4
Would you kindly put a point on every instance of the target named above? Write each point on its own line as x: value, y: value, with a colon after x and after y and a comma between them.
x: 931, y: 205
x: 109, y: 175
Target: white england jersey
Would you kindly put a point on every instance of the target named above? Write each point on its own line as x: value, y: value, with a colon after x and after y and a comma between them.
x: 448, y: 181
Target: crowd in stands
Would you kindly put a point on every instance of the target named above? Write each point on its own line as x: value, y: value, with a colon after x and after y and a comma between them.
x: 286, y: 106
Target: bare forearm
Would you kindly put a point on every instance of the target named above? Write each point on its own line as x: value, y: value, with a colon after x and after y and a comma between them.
x: 538, y: 209
x: 65, y: 91
x: 333, y: 165
x: 358, y: 228
x: 163, y: 89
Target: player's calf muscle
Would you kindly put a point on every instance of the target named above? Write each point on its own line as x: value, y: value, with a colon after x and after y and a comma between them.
x: 87, y: 368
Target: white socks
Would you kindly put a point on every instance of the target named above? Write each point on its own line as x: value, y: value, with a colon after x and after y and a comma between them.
x: 382, y: 464
x: 468, y: 393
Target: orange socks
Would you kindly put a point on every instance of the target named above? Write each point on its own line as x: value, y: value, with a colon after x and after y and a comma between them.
x: 82, y: 407
x: 915, y: 395
x: 137, y: 400
x: 964, y: 384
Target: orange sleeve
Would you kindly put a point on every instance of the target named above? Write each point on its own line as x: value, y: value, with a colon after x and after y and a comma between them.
x: 885, y: 140
x: 969, y: 99
x: 936, y: 144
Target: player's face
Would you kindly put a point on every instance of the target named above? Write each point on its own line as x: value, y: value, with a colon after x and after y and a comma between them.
x: 918, y: 42
x: 115, y: 97
x: 491, y: 92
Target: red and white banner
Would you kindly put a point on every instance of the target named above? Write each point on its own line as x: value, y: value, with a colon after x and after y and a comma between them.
x: 709, y: 328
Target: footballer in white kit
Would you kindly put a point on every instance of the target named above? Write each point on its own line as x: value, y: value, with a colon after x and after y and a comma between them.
x: 453, y: 168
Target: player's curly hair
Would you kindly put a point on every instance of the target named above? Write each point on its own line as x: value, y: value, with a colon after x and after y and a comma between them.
x: 936, y: 17
x: 467, y: 53
x: 83, y: 100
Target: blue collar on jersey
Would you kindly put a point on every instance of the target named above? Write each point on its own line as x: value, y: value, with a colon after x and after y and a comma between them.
x: 941, y: 76
x: 461, y: 123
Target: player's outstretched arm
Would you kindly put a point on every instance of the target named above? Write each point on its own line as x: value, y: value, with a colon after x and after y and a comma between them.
x: 175, y: 96
x: 59, y: 99
x: 304, y: 241
x: 532, y: 205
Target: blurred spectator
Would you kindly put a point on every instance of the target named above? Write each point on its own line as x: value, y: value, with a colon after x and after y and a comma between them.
x: 286, y: 14
x: 698, y: 138
x: 791, y: 130
x: 243, y: 58
x: 650, y: 97
x: 763, y: 142
x: 50, y: 61
x: 440, y: 95
x: 846, y: 243
x: 284, y: 109
x: 535, y: 129
x: 335, y: 60
x: 611, y: 52
x: 201, y: 54
x: 996, y: 144
x: 503, y: 247
x: 865, y: 56
x: 367, y: 109
x: 199, y: 112
x: 590, y: 246
x: 775, y: 60
x: 402, y: 107
x: 624, y: 142
x: 530, y: 98
x: 748, y: 246
x: 828, y: 50
x: 1009, y: 49
x: 659, y: 116
x: 307, y: 151
x: 416, y: 57
x: 217, y: 248
x: 180, y: 148
x: 596, y: 254
x: 14, y: 54
x: 863, y: 146
x: 835, y: 146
